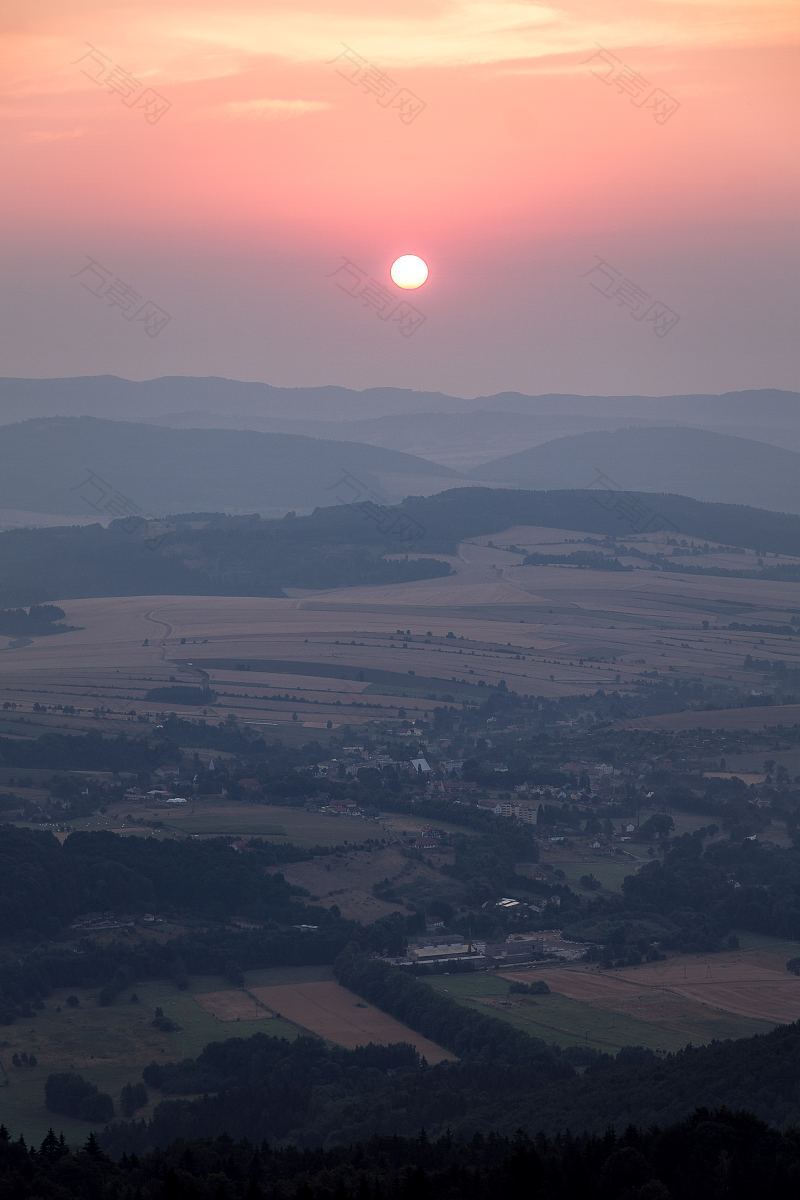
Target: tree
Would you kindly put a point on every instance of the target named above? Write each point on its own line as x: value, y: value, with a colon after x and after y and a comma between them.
x: 73, y: 1096
x: 132, y: 1097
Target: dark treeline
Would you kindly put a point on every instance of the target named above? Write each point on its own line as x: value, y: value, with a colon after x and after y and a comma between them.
x: 225, y: 556
x: 44, y: 885
x: 469, y: 1034
x: 713, y: 1154
x: 82, y: 752
x: 590, y: 560
x: 114, y: 967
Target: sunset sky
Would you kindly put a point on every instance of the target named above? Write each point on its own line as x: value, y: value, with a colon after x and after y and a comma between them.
x: 562, y: 168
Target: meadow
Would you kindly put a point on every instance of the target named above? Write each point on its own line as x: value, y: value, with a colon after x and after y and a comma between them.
x: 111, y: 1045
x: 217, y: 818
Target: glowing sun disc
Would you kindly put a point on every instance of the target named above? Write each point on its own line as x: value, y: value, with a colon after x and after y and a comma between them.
x: 409, y: 271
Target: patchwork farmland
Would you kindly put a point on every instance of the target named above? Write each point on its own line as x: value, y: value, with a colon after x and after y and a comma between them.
x: 318, y: 660
x: 111, y: 1044
x: 662, y: 1006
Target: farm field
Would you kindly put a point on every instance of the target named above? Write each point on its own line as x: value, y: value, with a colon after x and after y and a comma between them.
x: 688, y: 991
x: 560, y: 1019
x: 663, y: 1005
x: 318, y: 660
x: 111, y: 1045
x: 227, y: 817
x: 339, y: 1015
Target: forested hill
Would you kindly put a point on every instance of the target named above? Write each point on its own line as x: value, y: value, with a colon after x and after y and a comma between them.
x: 212, y: 556
x: 345, y: 545
x: 603, y: 508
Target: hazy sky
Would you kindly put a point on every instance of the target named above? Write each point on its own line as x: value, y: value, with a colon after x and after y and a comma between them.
x: 577, y: 175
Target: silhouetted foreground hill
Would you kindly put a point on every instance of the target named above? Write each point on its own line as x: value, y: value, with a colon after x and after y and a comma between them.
x: 207, y: 554
x: 715, y: 1155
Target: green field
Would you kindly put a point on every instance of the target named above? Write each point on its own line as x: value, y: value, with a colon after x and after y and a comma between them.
x: 236, y: 819
x: 293, y: 825
x: 610, y: 871
x: 563, y: 1021
x: 782, y: 948
x: 110, y: 1046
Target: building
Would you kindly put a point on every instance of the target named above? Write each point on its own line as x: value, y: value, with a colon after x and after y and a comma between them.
x: 441, y: 951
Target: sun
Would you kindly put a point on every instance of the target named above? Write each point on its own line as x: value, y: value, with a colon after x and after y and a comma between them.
x: 409, y: 271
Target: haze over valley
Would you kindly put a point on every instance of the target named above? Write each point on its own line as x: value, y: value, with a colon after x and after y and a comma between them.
x: 399, y: 600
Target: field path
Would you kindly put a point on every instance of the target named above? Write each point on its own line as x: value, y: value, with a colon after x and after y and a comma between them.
x: 148, y: 616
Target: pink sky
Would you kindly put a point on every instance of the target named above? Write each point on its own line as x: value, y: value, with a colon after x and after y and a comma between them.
x: 232, y: 211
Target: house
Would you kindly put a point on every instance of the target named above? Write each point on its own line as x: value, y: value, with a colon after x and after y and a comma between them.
x: 420, y: 765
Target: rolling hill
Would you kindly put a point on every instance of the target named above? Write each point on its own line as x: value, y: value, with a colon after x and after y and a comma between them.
x: 45, y: 467
x: 457, y: 431
x: 693, y: 462
x: 459, y: 441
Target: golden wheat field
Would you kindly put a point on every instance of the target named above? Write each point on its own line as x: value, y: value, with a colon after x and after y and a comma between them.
x: 317, y: 660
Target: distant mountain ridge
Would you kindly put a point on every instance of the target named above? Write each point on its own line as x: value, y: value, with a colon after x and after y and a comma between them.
x: 122, y: 399
x: 181, y: 444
